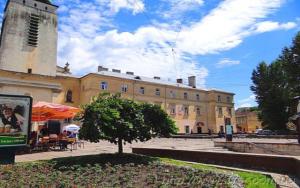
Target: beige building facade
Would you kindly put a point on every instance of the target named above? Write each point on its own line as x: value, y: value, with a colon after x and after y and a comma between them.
x: 193, y: 109
x: 247, y: 120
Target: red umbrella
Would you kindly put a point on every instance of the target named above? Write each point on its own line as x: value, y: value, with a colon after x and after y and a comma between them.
x: 43, y: 111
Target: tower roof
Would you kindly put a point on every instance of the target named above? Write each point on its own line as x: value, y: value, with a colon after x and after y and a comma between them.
x: 45, y: 1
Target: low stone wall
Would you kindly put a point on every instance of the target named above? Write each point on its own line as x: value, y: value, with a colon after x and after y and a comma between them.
x: 194, y: 136
x: 279, y: 164
x: 262, y: 148
x: 272, y: 136
x: 205, y: 136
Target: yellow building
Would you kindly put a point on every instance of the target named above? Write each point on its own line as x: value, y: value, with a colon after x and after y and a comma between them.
x: 194, y: 110
x: 247, y: 120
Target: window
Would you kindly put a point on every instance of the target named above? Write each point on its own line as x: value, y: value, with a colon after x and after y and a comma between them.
x: 198, y: 97
x: 157, y: 92
x: 33, y: 30
x: 29, y: 71
x: 229, y: 111
x: 187, y: 129
x: 124, y: 88
x: 172, y: 109
x: 172, y: 94
x: 228, y: 99
x: 104, y: 85
x: 69, y: 96
x: 186, y: 110
x: 198, y: 111
x: 185, y: 95
x: 142, y: 90
x: 219, y: 98
x: 220, y: 112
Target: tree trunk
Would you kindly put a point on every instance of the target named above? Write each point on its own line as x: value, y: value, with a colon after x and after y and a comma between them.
x: 120, y: 144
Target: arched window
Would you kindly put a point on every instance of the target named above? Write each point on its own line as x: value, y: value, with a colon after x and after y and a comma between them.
x: 69, y: 96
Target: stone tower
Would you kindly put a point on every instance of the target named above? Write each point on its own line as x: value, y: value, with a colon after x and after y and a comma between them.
x: 29, y: 37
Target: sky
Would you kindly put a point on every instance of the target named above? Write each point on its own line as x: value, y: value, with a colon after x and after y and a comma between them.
x: 218, y: 41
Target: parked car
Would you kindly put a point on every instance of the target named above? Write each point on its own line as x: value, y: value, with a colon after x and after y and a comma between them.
x: 265, y: 132
x: 258, y: 130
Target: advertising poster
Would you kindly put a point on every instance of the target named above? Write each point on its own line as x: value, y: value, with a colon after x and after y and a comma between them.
x: 229, y: 130
x: 15, y: 120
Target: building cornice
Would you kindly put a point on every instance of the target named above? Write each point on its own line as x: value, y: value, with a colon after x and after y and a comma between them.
x: 57, y: 88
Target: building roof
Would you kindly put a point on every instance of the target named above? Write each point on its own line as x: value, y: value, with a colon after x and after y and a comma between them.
x: 220, y: 91
x: 66, y: 75
x: 143, y: 79
x: 153, y: 81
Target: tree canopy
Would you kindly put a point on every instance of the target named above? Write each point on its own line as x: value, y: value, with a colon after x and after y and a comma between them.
x: 276, y: 84
x: 117, y: 120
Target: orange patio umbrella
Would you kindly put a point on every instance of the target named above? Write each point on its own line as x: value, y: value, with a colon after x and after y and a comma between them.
x: 44, y: 111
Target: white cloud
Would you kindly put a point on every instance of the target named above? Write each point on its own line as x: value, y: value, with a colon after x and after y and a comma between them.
x: 298, y: 23
x: 245, y: 105
x: 227, y: 63
x: 85, y: 43
x: 271, y: 26
x: 105, y: 7
x: 226, y: 26
x: 136, y: 6
x: 251, y: 98
x: 247, y: 102
x: 140, y: 52
x: 178, y: 7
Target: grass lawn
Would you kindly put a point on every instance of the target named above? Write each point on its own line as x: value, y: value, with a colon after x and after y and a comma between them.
x: 251, y: 180
x: 128, y: 170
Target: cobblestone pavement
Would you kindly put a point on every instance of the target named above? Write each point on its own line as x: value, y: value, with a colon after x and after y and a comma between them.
x: 105, y: 147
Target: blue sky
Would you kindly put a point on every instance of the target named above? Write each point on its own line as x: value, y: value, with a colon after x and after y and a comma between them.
x: 219, y: 41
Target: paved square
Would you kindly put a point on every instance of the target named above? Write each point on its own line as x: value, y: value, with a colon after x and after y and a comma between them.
x: 106, y: 147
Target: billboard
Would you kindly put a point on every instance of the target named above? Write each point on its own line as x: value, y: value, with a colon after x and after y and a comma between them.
x: 229, y: 129
x: 15, y: 120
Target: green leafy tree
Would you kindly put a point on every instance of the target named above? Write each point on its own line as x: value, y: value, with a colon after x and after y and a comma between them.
x: 272, y: 95
x: 117, y: 120
x: 157, y: 121
x: 276, y: 84
x: 291, y: 58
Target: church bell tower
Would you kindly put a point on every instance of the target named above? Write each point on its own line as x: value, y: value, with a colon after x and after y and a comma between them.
x: 28, y: 41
